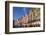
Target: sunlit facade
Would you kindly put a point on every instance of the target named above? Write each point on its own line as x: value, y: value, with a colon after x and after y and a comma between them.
x: 35, y: 14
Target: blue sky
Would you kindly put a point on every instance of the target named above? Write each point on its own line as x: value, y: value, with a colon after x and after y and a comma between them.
x: 19, y: 11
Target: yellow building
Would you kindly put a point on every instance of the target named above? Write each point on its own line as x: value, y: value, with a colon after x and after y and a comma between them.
x: 34, y: 14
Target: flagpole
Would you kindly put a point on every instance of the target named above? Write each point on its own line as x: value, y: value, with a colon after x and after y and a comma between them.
x: 25, y: 11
